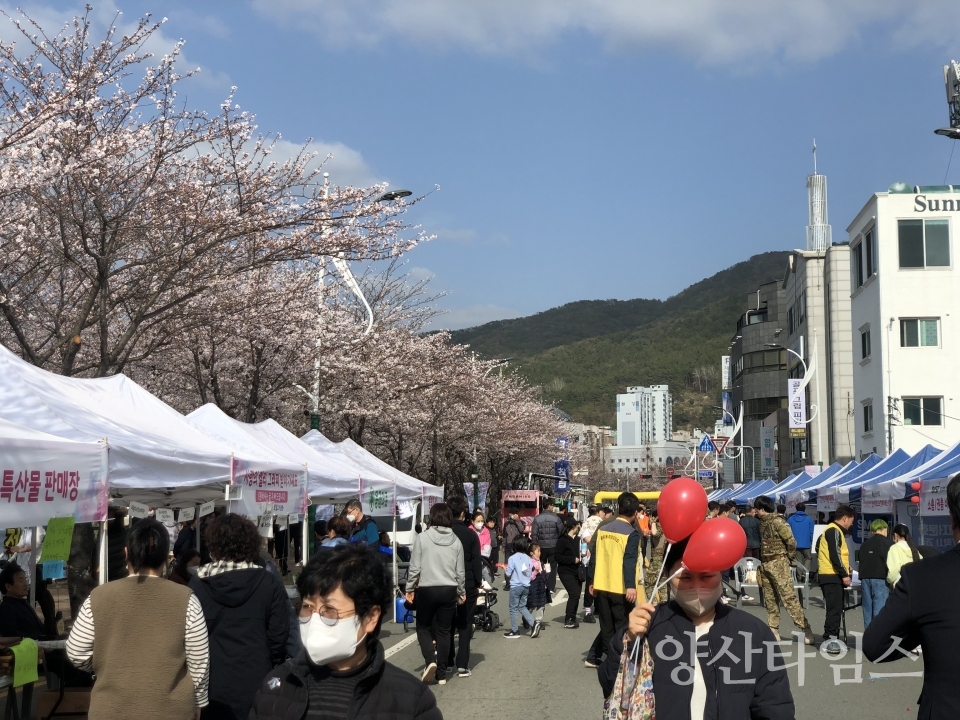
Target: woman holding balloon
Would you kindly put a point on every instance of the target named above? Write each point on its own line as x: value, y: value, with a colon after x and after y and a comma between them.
x: 647, y: 670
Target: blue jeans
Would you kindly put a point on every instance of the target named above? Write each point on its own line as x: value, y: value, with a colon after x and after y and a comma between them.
x: 875, y: 593
x: 518, y: 606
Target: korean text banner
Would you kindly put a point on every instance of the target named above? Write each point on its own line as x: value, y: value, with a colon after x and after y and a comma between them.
x: 268, y: 489
x: 378, y: 497
x: 40, y: 480
x: 933, y: 498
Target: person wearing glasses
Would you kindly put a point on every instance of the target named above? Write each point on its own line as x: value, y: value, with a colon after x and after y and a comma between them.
x: 341, y: 672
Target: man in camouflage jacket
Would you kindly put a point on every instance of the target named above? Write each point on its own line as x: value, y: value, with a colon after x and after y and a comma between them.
x: 777, y: 548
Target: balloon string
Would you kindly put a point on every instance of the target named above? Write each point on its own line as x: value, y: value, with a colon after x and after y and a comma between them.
x: 660, y: 572
x: 664, y: 583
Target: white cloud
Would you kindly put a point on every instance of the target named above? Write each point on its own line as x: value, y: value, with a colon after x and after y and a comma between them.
x: 711, y: 31
x: 345, y: 165
x: 467, y: 236
x: 472, y: 316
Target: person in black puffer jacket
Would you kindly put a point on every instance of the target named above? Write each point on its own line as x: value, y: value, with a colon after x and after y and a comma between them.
x: 245, y: 606
x: 342, y: 671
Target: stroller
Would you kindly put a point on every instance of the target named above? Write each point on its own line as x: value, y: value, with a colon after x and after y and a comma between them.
x: 483, y: 615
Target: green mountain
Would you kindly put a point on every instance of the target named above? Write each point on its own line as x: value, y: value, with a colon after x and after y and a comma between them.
x: 583, y: 353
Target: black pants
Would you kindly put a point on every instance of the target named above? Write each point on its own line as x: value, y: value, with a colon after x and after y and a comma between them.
x: 597, y: 650
x: 463, y: 626
x: 548, y: 555
x: 282, y: 547
x: 571, y: 583
x: 612, y: 611
x: 833, y: 599
x: 436, y: 608
x: 296, y: 530
x: 588, y: 601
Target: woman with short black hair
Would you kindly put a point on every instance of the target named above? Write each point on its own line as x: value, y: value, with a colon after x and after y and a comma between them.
x: 143, y: 609
x: 437, y: 573
x: 342, y: 672
x: 246, y: 607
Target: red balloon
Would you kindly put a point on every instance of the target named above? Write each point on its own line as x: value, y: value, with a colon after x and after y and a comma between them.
x: 681, y: 508
x: 715, y: 546
x: 915, y: 499
x: 915, y: 485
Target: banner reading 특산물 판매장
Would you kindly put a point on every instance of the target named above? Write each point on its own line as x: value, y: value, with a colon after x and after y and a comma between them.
x: 268, y: 490
x: 40, y: 480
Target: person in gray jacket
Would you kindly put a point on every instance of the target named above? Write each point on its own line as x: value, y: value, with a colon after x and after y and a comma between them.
x: 437, y: 577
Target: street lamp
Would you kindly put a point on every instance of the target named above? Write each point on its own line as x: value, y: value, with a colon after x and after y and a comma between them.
x: 352, y: 283
x: 808, y: 374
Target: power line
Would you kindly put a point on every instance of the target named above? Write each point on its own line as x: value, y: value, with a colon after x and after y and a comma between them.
x: 952, y: 146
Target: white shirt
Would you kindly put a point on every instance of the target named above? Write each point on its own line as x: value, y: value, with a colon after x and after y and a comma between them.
x: 698, y: 700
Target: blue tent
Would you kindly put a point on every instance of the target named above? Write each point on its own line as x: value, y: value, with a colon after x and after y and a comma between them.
x: 888, y: 464
x: 755, y: 487
x: 925, y: 455
x: 808, y: 488
x: 942, y: 466
x: 790, y: 482
x: 764, y: 487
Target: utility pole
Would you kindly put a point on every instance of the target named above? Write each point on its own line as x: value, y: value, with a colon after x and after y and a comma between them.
x: 891, y: 408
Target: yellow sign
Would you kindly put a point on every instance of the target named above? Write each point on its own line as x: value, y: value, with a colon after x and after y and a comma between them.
x: 57, y: 541
x: 798, y: 433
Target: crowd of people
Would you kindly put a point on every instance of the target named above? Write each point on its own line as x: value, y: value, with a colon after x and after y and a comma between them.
x: 226, y: 641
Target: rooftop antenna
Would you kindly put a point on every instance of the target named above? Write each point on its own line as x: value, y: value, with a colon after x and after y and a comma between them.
x: 951, y: 79
x: 819, y: 233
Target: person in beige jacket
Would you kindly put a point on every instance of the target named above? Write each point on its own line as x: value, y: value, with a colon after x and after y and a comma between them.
x: 901, y: 552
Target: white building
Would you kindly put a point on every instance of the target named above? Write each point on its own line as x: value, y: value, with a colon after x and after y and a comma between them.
x: 644, y: 415
x: 653, y: 459
x: 905, y: 283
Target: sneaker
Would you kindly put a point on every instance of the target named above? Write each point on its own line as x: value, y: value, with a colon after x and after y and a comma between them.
x: 808, y: 638
x: 442, y: 681
x: 451, y: 669
x: 429, y: 672
x: 536, y: 629
x: 511, y: 635
x: 464, y: 672
x: 589, y: 618
x: 832, y: 646
x: 591, y: 663
x: 569, y: 623
x: 748, y: 598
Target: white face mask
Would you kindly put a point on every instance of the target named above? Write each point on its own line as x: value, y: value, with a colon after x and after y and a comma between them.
x: 352, y: 518
x: 325, y: 644
x: 697, y: 601
x: 478, y: 526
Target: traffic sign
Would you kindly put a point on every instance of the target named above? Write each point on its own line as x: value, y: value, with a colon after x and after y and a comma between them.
x: 706, y: 473
x: 706, y: 445
x: 720, y: 443
x: 671, y: 471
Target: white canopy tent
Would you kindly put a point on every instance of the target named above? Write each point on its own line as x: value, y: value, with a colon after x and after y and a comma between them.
x: 154, y: 455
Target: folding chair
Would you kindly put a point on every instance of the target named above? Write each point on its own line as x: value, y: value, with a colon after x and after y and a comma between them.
x: 801, y: 582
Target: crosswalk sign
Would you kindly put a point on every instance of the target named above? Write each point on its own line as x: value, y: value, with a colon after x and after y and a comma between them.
x: 706, y: 445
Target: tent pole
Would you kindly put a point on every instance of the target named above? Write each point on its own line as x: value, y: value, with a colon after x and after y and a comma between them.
x: 396, y: 585
x: 34, y: 556
x: 102, y: 578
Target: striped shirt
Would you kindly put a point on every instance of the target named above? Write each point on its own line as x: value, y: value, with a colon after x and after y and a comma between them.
x: 196, y: 646
x: 330, y: 694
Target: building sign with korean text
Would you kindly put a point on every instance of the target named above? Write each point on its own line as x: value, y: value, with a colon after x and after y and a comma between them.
x: 768, y: 451
x: 797, y: 408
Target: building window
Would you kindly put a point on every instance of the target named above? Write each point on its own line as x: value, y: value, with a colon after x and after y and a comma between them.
x: 919, y: 332
x: 870, y: 244
x: 922, y: 411
x: 865, y: 344
x: 856, y: 265
x: 802, y: 307
x: 790, y: 326
x: 868, y: 417
x: 924, y: 243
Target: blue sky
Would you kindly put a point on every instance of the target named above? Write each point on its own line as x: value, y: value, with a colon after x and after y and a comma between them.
x: 586, y: 148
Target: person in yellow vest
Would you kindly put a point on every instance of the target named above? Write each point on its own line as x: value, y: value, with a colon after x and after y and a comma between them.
x: 833, y: 568
x: 615, y: 572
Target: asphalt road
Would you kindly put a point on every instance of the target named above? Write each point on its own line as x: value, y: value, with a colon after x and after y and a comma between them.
x: 545, y: 678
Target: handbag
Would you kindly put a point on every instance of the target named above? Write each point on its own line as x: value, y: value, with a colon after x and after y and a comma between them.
x: 632, y: 696
x: 581, y: 573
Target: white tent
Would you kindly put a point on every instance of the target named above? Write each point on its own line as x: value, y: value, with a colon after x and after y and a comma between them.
x: 154, y: 455
x: 331, y: 481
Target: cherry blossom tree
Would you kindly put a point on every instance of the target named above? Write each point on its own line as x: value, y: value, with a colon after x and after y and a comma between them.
x: 120, y: 209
